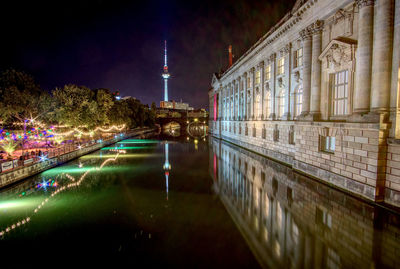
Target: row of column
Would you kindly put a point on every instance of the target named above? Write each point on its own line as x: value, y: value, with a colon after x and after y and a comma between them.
x: 374, y: 56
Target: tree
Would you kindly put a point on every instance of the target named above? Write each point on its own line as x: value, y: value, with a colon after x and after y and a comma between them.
x: 21, y: 98
x: 76, y: 106
x: 105, y: 102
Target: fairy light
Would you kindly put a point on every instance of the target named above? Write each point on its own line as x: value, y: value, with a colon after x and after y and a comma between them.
x: 61, y: 189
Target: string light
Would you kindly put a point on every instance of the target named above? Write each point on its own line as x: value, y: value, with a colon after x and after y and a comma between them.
x: 61, y: 189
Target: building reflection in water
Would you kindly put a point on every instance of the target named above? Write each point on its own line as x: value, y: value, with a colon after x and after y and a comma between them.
x: 292, y: 221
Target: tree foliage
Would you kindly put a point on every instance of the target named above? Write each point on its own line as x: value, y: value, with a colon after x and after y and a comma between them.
x: 21, y: 99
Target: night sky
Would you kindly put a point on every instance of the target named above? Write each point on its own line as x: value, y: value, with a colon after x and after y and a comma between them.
x: 119, y: 44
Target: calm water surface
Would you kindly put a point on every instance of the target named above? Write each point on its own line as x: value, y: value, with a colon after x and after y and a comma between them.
x: 179, y: 204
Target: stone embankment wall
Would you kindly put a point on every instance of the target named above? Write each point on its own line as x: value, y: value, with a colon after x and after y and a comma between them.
x: 8, y: 178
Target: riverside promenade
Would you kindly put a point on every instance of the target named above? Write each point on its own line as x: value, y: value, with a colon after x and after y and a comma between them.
x: 21, y: 172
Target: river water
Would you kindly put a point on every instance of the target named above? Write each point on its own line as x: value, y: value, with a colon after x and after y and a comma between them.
x: 189, y: 204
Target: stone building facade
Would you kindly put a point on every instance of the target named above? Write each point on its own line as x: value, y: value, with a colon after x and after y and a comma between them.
x: 320, y: 93
x: 290, y: 221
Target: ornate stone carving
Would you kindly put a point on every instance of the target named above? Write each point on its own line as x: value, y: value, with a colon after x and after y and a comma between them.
x: 281, y: 84
x: 316, y: 27
x: 296, y: 76
x: 305, y: 33
x: 364, y: 3
x: 285, y: 50
x: 272, y: 57
x: 267, y: 87
x: 338, y: 55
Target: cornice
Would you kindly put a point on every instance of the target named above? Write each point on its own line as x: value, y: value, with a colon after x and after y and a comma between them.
x: 286, y: 23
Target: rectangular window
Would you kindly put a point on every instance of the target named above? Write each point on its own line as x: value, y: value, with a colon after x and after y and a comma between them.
x: 268, y: 72
x: 340, y: 92
x: 327, y: 143
x: 281, y: 66
x: 248, y: 82
x: 258, y: 77
x: 298, y: 57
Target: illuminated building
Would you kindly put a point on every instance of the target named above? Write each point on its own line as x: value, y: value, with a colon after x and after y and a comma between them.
x: 165, y: 75
x: 175, y: 105
x: 319, y: 92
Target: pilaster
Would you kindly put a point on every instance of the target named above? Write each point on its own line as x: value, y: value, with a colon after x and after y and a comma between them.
x: 315, y: 100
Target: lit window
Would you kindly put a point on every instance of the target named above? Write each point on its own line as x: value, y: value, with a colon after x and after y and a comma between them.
x: 328, y: 144
x: 281, y: 66
x: 299, y: 100
x: 268, y: 103
x: 268, y: 72
x: 340, y: 92
x: 298, y: 57
x: 258, y: 77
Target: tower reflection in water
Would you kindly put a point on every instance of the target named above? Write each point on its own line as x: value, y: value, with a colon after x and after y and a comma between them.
x: 166, y: 167
x: 290, y: 220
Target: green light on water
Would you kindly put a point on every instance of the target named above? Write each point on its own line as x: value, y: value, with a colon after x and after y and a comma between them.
x: 139, y: 141
x: 19, y: 203
x: 121, y: 156
x: 77, y: 170
x: 135, y: 147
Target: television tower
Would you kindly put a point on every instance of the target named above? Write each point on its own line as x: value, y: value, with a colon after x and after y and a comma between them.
x: 165, y: 75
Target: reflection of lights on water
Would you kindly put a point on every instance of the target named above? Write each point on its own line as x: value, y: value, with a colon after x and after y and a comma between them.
x: 61, y: 189
x: 44, y: 184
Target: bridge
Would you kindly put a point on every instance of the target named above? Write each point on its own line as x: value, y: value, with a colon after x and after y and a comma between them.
x: 173, y: 121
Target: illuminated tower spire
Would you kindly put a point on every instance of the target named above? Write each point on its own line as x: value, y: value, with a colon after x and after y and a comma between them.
x: 165, y: 75
x: 166, y: 167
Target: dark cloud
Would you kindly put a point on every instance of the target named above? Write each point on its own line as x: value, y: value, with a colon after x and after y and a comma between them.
x: 119, y: 44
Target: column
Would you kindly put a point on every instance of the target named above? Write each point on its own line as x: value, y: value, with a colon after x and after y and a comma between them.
x: 238, y: 89
x: 381, y: 56
x: 287, y: 79
x: 253, y: 99
x: 272, y: 59
x: 245, y: 96
x: 233, y: 101
x: 315, y: 102
x: 262, y: 89
x: 395, y: 83
x: 306, y: 36
x: 362, y: 90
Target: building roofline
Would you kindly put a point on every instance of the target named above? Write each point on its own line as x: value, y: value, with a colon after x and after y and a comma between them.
x: 292, y: 14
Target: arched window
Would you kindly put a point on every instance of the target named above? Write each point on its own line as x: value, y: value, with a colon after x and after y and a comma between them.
x: 248, y: 105
x: 258, y: 104
x: 267, y: 104
x: 298, y: 100
x: 281, y: 103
